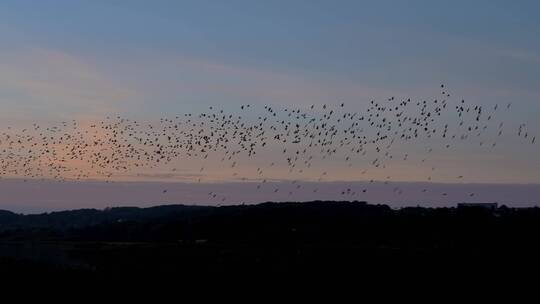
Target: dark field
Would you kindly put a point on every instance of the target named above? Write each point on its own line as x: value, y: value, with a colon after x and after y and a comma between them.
x: 312, y: 240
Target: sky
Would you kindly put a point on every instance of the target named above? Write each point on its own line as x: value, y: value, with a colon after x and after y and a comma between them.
x: 83, y: 60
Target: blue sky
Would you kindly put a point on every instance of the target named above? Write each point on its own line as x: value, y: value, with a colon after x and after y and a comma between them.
x: 488, y: 49
x: 145, y: 59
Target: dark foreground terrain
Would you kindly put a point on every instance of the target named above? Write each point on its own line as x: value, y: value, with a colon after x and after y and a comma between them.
x: 315, y: 240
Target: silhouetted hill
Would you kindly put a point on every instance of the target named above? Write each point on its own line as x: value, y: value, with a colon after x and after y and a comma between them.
x: 8, y: 217
x: 62, y: 220
x: 301, y: 238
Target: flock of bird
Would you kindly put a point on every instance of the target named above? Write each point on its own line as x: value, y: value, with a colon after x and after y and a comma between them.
x: 297, y: 138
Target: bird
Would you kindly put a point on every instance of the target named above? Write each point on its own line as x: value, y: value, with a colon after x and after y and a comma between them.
x: 298, y: 140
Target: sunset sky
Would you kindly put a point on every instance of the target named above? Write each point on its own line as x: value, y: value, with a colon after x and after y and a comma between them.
x: 85, y: 60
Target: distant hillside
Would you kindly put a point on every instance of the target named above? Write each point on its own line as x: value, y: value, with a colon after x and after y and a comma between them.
x: 310, y: 219
x: 89, y: 217
x: 281, y: 238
